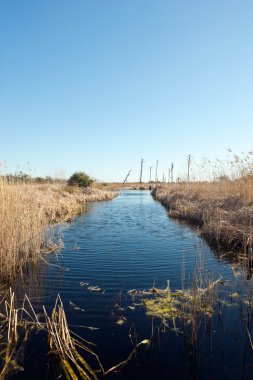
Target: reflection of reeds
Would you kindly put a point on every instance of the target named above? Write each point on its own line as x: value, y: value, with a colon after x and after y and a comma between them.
x: 223, y: 210
x: 16, y: 323
x: 64, y: 346
x: 25, y: 212
x: 15, y: 330
x: 70, y: 352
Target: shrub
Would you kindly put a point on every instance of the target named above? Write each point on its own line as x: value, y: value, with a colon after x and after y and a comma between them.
x: 80, y: 179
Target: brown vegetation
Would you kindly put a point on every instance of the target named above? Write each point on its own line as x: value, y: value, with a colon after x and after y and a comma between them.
x: 17, y: 323
x: 25, y: 212
x: 223, y: 210
x: 70, y: 353
x: 126, y: 186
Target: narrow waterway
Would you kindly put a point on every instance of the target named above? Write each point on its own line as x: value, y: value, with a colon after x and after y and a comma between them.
x: 131, y: 243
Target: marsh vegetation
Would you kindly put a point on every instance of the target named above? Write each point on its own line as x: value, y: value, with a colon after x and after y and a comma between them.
x: 222, y: 210
x: 200, y: 299
x: 221, y: 206
x: 27, y: 209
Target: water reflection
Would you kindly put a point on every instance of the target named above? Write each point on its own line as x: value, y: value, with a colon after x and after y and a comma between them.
x: 130, y: 243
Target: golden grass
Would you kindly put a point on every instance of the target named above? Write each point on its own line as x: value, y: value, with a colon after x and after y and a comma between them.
x: 16, y: 325
x: 223, y: 210
x: 125, y: 186
x: 25, y: 212
x: 65, y: 346
x: 71, y: 353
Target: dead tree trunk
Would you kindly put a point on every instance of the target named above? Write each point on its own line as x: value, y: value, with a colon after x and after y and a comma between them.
x: 127, y: 176
x: 188, y: 167
x: 156, y: 179
x: 171, y: 171
x: 141, y: 169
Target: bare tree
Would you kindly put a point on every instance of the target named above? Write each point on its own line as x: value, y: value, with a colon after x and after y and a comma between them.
x: 141, y: 169
x: 150, y: 170
x: 188, y: 167
x: 169, y: 175
x: 156, y: 179
x: 171, y: 171
x: 127, y: 176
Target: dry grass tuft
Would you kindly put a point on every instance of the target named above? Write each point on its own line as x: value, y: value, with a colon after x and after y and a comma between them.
x: 15, y: 327
x: 65, y: 347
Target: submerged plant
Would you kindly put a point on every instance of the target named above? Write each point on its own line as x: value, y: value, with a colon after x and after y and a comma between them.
x: 15, y: 330
x: 180, y: 304
x: 64, y: 345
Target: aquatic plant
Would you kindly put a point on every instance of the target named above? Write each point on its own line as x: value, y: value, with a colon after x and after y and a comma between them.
x: 63, y: 345
x: 15, y: 330
x: 179, y: 304
x: 71, y: 353
x: 16, y: 325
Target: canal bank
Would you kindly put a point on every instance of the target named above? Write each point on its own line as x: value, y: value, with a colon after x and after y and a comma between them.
x: 222, y: 211
x: 131, y: 244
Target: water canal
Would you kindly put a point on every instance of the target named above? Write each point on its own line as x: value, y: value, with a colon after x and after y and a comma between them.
x: 131, y: 243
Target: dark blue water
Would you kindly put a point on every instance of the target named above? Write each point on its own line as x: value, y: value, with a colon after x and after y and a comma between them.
x: 131, y: 243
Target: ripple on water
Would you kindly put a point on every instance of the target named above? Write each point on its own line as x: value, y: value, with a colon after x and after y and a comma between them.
x: 127, y: 243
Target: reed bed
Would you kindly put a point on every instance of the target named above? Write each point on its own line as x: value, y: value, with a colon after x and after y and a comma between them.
x: 25, y: 212
x: 116, y: 186
x: 223, y: 210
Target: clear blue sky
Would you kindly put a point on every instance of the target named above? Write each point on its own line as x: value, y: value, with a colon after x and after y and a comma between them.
x: 96, y: 85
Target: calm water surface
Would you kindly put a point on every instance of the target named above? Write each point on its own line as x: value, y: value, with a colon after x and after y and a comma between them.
x: 131, y: 243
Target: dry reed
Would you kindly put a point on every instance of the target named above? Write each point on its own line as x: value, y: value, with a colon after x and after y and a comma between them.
x: 71, y: 353
x: 25, y: 212
x: 65, y: 346
x: 223, y: 210
x: 16, y: 324
x: 116, y: 186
